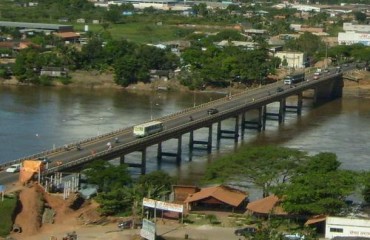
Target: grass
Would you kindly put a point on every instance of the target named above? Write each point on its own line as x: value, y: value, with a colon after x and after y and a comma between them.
x: 146, y: 30
x: 7, y: 208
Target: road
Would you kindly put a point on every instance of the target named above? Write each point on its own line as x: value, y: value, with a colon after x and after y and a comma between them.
x: 97, y: 145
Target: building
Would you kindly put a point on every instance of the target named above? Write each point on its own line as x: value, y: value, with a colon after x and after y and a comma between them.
x: 347, y: 227
x: 354, y: 33
x: 270, y: 205
x: 292, y: 59
x: 360, y: 28
x: 349, y: 38
x: 217, y: 198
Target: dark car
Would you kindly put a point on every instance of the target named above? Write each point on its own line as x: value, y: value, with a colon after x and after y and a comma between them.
x: 246, y: 231
x: 212, y: 111
x: 279, y: 89
x: 44, y: 159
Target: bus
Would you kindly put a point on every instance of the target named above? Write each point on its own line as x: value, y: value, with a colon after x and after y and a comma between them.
x: 148, y: 128
x: 293, y: 79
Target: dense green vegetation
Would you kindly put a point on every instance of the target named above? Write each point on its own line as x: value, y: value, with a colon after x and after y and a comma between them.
x: 119, y: 193
x: 308, y: 185
x: 116, y: 45
x: 7, y: 208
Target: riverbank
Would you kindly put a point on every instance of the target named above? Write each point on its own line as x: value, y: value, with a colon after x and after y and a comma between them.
x: 96, y: 80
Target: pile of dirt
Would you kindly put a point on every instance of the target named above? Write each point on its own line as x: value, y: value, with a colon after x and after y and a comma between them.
x: 68, y: 215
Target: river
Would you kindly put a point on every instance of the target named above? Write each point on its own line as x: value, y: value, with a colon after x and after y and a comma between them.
x: 34, y: 119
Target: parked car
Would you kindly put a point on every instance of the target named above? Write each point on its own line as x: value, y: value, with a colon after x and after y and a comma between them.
x: 246, y: 231
x: 125, y: 224
x: 295, y: 236
x: 212, y: 111
x: 14, y: 168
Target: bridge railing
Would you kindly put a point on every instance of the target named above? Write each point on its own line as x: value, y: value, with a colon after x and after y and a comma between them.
x: 256, y: 102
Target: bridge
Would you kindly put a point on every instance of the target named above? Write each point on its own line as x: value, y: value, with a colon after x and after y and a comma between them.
x: 251, y: 102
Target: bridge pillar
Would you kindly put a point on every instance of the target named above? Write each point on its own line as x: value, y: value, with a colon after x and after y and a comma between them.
x: 281, y: 116
x: 141, y: 165
x: 191, y: 145
x: 329, y: 90
x: 296, y: 108
x: 177, y: 155
x: 252, y: 124
x: 228, y: 134
x: 143, y: 161
x: 264, y: 117
x: 200, y: 145
x: 209, y: 143
x: 122, y: 159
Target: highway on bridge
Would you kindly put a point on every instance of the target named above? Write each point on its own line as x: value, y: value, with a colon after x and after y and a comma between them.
x: 267, y: 93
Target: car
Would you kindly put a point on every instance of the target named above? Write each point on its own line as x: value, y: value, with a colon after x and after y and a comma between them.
x: 316, y: 75
x: 246, y: 231
x: 14, y: 168
x: 326, y: 70
x: 44, y: 159
x: 295, y: 236
x: 212, y: 111
x: 279, y: 89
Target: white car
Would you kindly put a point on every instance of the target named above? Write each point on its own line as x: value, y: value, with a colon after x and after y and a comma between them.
x: 14, y: 168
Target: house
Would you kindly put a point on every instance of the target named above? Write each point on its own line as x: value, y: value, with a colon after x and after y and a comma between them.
x: 266, y: 206
x: 68, y: 37
x: 181, y: 192
x: 217, y: 198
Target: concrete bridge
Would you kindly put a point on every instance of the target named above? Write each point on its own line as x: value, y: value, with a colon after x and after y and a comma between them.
x: 251, y: 102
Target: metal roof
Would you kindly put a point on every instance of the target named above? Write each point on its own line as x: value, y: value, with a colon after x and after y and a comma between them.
x: 55, y: 27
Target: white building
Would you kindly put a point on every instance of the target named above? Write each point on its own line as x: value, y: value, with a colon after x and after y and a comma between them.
x: 305, y: 8
x: 347, y: 227
x: 349, y: 27
x: 349, y: 38
x: 293, y: 59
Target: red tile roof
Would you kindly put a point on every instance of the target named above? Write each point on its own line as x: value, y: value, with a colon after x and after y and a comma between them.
x: 67, y: 35
x: 270, y: 204
x: 224, y: 194
x: 315, y: 219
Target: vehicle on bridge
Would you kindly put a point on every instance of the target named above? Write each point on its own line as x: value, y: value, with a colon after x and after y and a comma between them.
x: 316, y: 75
x: 14, y: 168
x: 148, y: 128
x: 294, y: 78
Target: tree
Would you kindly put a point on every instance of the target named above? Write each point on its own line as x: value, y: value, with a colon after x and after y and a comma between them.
x: 107, y: 176
x: 265, y: 167
x: 319, y: 187
x: 360, y: 16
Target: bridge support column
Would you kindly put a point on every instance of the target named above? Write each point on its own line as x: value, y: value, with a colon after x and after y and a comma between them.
x: 209, y: 143
x: 191, y: 145
x: 141, y: 165
x: 122, y: 159
x: 295, y: 108
x: 264, y: 117
x: 279, y: 116
x: 252, y: 124
x: 228, y: 134
x: 177, y: 155
x: 282, y: 110
x: 143, y: 161
x: 200, y: 144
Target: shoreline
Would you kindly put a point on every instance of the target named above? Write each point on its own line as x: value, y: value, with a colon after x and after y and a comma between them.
x: 94, y: 80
